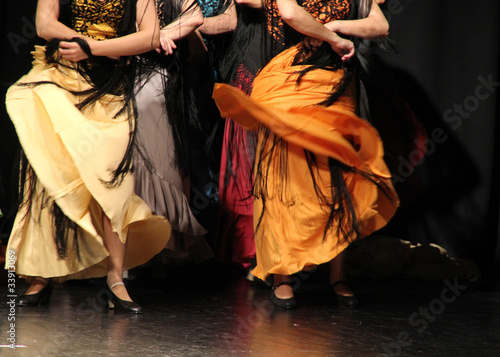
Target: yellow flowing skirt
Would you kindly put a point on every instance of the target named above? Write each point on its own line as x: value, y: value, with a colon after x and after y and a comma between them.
x: 71, y: 152
x: 291, y: 233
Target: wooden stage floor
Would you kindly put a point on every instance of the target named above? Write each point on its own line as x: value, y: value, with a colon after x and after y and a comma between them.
x: 211, y: 310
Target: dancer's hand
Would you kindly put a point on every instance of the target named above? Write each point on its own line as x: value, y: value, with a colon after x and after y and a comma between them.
x: 166, y: 44
x: 72, y: 51
x: 344, y: 48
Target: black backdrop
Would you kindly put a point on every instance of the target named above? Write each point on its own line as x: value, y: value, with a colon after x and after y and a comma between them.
x: 447, y: 69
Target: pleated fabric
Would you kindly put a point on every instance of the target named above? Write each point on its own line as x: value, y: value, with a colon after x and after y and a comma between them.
x: 72, y: 153
x: 157, y: 180
x: 291, y: 232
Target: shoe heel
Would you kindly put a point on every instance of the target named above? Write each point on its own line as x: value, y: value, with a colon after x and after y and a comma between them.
x: 45, y: 296
x: 115, y: 302
x: 109, y: 300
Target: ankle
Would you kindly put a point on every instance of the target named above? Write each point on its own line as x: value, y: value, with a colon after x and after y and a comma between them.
x: 40, y: 280
x: 113, y: 285
x: 37, y: 285
x: 113, y: 279
x: 279, y: 279
x: 118, y: 289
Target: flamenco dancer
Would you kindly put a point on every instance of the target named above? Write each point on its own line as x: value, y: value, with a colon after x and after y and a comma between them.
x: 320, y: 177
x: 74, y: 115
x: 161, y: 161
x: 239, y: 65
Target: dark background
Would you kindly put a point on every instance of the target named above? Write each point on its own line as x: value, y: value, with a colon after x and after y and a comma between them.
x: 447, y: 49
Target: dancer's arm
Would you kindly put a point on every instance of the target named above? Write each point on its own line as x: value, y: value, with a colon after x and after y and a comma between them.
x: 373, y: 26
x: 189, y: 20
x: 225, y: 22
x: 303, y: 22
x: 145, y: 39
x: 48, y: 26
x: 183, y: 26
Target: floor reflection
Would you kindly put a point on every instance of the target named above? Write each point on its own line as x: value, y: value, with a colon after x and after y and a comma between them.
x: 211, y: 314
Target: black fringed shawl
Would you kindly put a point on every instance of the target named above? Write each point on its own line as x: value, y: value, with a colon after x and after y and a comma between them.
x: 105, y: 76
x: 341, y: 206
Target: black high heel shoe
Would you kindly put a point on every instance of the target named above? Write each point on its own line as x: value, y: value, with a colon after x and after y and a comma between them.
x: 345, y: 301
x: 38, y: 299
x: 122, y: 305
x: 287, y: 304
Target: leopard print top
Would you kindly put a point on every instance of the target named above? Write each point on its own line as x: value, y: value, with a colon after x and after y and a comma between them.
x: 323, y: 10
x: 97, y: 19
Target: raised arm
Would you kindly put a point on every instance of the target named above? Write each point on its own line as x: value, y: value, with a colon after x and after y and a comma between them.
x: 225, y: 22
x: 145, y: 39
x: 373, y: 26
x: 303, y: 22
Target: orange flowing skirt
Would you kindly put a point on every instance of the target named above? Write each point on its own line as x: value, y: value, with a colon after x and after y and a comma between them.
x: 291, y: 232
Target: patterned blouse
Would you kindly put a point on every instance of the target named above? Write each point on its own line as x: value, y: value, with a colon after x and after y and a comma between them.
x: 97, y: 19
x: 209, y: 7
x: 323, y: 10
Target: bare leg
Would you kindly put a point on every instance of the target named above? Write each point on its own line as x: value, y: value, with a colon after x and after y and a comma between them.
x: 37, y: 285
x: 337, y: 274
x: 116, y: 259
x: 283, y: 291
